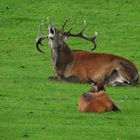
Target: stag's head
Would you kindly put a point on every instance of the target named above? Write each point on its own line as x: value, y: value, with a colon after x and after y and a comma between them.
x: 57, y: 37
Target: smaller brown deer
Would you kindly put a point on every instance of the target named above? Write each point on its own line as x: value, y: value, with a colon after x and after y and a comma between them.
x: 96, y: 100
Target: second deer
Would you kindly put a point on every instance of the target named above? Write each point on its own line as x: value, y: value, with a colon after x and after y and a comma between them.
x: 96, y: 100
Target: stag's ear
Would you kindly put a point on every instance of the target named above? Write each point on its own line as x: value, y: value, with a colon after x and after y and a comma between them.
x: 63, y: 36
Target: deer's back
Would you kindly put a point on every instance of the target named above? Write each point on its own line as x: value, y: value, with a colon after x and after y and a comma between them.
x: 94, y: 102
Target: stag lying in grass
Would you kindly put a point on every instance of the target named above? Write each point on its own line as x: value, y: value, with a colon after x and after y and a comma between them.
x: 78, y: 65
x: 96, y: 100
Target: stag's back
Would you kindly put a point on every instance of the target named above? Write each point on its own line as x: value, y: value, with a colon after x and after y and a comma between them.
x: 99, y: 65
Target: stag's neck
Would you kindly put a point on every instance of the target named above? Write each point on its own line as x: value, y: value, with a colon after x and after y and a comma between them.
x: 62, y: 56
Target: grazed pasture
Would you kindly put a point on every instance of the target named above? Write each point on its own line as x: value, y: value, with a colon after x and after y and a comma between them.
x: 31, y: 107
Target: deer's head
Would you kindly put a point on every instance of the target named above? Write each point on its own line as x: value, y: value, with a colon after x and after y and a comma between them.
x: 57, y: 37
x: 96, y: 86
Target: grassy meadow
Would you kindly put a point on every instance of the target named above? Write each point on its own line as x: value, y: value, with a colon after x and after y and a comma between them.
x: 34, y: 108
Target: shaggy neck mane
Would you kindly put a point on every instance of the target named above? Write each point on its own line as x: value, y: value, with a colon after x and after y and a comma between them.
x: 62, y: 56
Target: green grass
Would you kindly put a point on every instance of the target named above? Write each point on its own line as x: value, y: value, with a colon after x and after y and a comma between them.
x: 33, y: 108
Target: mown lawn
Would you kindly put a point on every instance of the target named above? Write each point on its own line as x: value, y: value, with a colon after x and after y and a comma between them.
x: 31, y: 107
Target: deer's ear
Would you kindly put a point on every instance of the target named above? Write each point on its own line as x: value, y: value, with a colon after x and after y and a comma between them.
x: 64, y: 36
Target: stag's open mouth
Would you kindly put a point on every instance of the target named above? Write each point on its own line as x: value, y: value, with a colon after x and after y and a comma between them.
x: 52, y: 30
x: 42, y: 37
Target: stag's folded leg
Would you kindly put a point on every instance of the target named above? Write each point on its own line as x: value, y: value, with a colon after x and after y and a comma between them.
x: 73, y: 79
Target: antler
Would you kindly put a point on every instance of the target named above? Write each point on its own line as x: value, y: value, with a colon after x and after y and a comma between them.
x: 80, y: 34
x: 38, y: 42
x: 40, y: 37
x: 65, y: 22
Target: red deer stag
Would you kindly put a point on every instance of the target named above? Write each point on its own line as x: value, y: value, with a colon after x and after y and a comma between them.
x: 96, y: 100
x: 78, y: 65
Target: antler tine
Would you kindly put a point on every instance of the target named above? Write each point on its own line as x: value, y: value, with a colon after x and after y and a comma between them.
x: 40, y: 27
x: 85, y: 25
x: 69, y: 30
x: 80, y: 35
x: 93, y: 40
x: 48, y: 22
x: 67, y: 19
x: 38, y: 42
x: 40, y: 36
